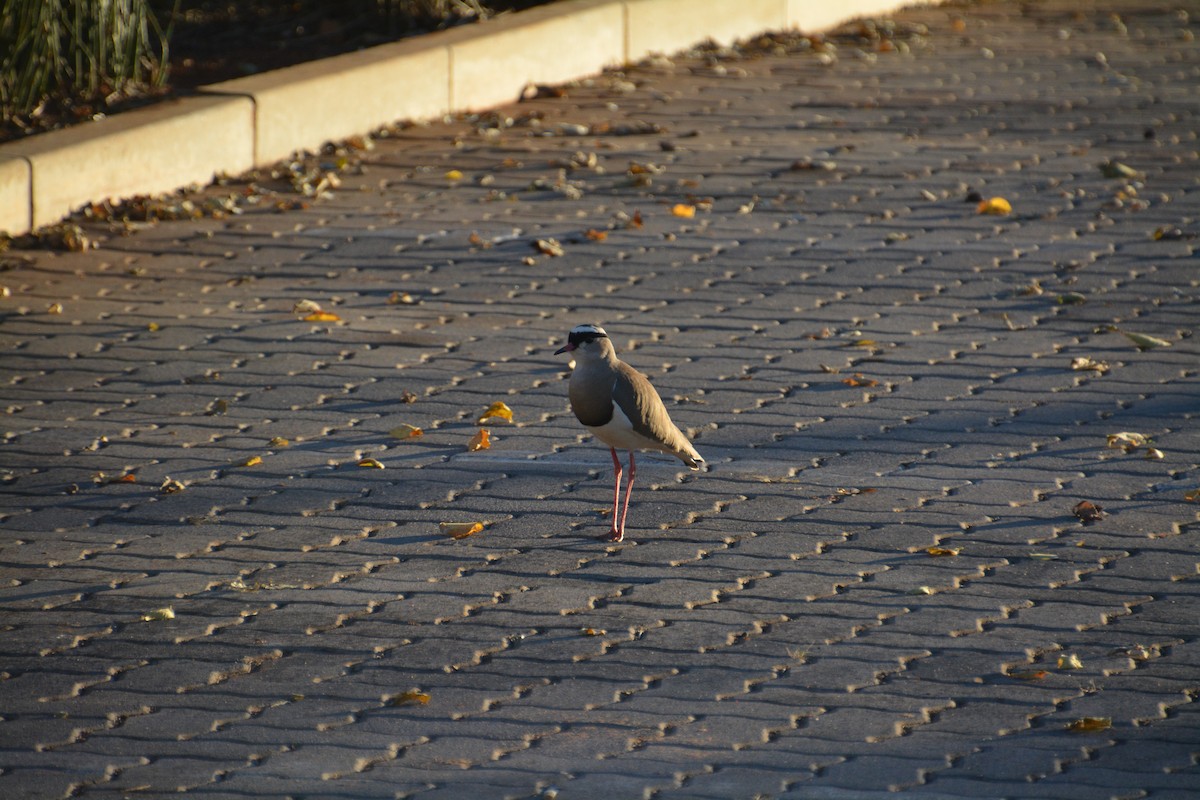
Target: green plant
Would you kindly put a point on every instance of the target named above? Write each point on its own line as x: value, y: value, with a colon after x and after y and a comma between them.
x: 77, y: 50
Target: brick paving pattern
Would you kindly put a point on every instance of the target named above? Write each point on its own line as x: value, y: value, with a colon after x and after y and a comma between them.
x: 870, y: 367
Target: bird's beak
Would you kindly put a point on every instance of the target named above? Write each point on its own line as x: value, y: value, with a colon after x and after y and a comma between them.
x: 566, y: 348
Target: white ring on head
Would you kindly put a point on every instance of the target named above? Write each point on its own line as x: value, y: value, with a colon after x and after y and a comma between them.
x: 594, y: 329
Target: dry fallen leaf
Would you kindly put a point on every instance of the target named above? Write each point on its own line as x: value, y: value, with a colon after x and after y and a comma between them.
x: 252, y: 461
x: 279, y: 441
x: 1069, y: 661
x: 170, y: 486
x: 1192, y: 496
x: 942, y: 551
x: 482, y: 440
x: 1029, y: 674
x: 399, y: 298
x: 496, y: 412
x: 1127, y: 441
x: 370, y: 463
x: 683, y: 210
x: 405, y: 431
x: 460, y: 530
x: 306, y: 307
x: 128, y: 477
x: 159, y: 615
x: 1090, y: 725
x: 996, y: 206
x: 54, y: 308
x: 1143, y: 341
x: 549, y: 247
x: 857, y: 380
x: 412, y: 696
x: 595, y: 235
x: 1154, y: 454
x: 1087, y: 511
x: 1115, y: 169
x: 453, y: 175
x: 593, y: 631
x: 1085, y: 364
x: 321, y: 316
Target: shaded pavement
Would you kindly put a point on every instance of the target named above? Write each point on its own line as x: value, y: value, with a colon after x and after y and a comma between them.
x: 877, y: 585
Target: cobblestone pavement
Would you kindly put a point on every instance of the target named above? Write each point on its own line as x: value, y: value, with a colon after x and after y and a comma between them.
x: 878, y: 585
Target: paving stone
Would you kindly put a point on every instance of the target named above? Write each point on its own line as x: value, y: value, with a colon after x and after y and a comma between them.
x: 775, y: 624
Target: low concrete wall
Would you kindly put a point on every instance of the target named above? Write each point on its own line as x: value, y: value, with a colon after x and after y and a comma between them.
x: 258, y: 120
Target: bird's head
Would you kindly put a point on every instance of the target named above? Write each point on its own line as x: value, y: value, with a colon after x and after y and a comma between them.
x: 586, y: 339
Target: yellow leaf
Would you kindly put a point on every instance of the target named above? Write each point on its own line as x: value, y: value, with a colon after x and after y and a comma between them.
x: 279, y: 441
x: 322, y: 316
x: 1090, y: 725
x: 496, y: 412
x: 252, y: 461
x: 1069, y: 661
x: 593, y: 631
x: 406, y: 698
x: 54, y: 308
x: 153, y: 327
x: 370, y: 463
x: 159, y: 615
x: 406, y: 431
x: 460, y: 530
x: 997, y: 206
x: 482, y: 440
x: 862, y: 343
x: 942, y: 551
x: 684, y: 210
x: 454, y: 175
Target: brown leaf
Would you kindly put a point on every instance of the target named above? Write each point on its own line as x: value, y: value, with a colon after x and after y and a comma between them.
x: 411, y: 697
x: 460, y: 530
x: 405, y: 431
x: 482, y: 440
x: 1090, y: 725
x: 1088, y: 512
x: 857, y: 380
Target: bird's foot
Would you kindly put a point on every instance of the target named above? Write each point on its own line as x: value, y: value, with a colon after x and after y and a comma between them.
x: 613, y: 536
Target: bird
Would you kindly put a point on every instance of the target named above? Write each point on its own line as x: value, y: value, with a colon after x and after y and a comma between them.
x: 620, y: 407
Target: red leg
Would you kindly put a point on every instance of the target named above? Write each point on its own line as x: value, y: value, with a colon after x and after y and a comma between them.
x: 628, y: 491
x: 614, y: 535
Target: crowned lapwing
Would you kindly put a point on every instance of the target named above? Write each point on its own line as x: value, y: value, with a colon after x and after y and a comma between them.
x: 620, y: 407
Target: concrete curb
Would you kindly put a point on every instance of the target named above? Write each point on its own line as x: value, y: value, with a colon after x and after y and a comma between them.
x: 236, y: 125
